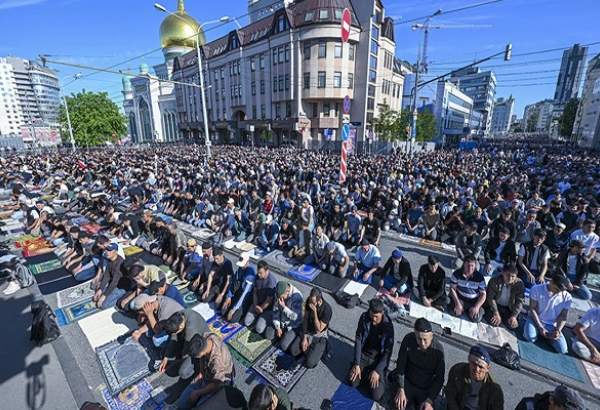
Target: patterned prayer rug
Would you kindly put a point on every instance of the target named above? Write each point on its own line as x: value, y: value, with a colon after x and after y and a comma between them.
x: 250, y: 345
x: 223, y: 328
x: 304, y: 273
x: 73, y: 313
x: 75, y: 295
x: 123, y: 364
x: 190, y: 298
x: 280, y: 369
x: 132, y: 398
x: 47, y: 266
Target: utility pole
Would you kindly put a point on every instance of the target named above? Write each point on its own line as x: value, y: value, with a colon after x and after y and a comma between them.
x: 69, y: 123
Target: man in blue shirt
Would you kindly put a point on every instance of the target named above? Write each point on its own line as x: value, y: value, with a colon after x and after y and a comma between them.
x: 238, y: 298
x: 366, y: 262
x: 467, y: 290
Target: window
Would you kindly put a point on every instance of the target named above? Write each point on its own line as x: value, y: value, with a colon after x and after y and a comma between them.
x: 337, y: 51
x: 262, y: 87
x: 281, y: 24
x: 372, y: 75
x: 374, y: 47
x: 326, y: 109
x: 350, y: 81
x: 280, y: 58
x: 287, y: 53
x: 263, y: 111
x: 306, y: 81
x: 338, y: 14
x: 280, y: 83
x: 254, y: 112
x: 253, y: 87
x: 351, y: 51
x: 287, y: 82
x: 321, y: 79
x: 274, y: 56
x: 309, y: 16
x: 371, y: 90
x: 370, y: 103
x: 337, y: 79
x: 336, y: 109
x: 373, y: 62
x: 322, y: 49
x: 288, y: 109
x: 275, y: 84
x: 315, y: 110
x: 277, y: 110
x: 262, y: 62
x: 252, y: 65
x: 375, y: 32
x: 307, y: 50
x: 323, y: 14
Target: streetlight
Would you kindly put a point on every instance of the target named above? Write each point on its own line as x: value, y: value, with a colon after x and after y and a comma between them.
x: 223, y: 19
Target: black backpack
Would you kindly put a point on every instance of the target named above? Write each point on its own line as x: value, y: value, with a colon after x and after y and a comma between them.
x: 507, y: 357
x: 346, y: 300
x: 43, y: 327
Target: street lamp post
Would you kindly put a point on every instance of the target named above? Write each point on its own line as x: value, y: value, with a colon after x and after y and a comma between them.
x: 223, y: 19
x: 69, y: 123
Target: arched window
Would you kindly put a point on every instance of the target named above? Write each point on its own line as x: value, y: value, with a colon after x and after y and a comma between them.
x: 145, y: 120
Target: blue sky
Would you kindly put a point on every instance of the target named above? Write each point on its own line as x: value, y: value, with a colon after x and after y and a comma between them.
x: 103, y: 33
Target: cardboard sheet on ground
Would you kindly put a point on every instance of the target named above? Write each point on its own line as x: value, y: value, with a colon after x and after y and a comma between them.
x: 229, y: 244
x: 73, y: 313
x: 245, y: 246
x: 75, y: 295
x: 544, y: 357
x: 459, y: 326
x: 593, y: 372
x: 249, y: 344
x: 132, y: 398
x: 496, y: 336
x: 105, y: 326
x: 222, y: 328
x: 204, y: 310
x: 347, y: 397
x: 280, y: 369
x: 304, y: 273
x: 355, y: 288
x: 123, y: 364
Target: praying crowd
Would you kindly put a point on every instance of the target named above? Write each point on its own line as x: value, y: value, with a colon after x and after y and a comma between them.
x: 522, y: 218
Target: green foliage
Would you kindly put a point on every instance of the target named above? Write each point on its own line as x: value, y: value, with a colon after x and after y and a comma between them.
x: 95, y: 119
x: 567, y: 119
x: 266, y: 135
x: 426, y: 127
x: 532, y: 121
x: 391, y: 125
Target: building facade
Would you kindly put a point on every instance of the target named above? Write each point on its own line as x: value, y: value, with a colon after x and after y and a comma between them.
x: 284, y: 77
x: 587, y: 124
x: 259, y: 9
x: 481, y: 87
x: 452, y: 110
x: 502, y: 115
x: 570, y: 75
x: 29, y: 98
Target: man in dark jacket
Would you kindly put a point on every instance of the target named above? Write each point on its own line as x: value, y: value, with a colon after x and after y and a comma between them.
x: 470, y: 385
x: 420, y: 368
x: 432, y: 284
x: 533, y: 259
x: 571, y: 262
x: 505, y: 298
x: 372, y: 349
x: 504, y: 220
x: 468, y: 242
x: 562, y: 398
x: 396, y: 275
x: 499, y: 251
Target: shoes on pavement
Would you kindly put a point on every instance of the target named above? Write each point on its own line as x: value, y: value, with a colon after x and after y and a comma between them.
x: 13, y: 286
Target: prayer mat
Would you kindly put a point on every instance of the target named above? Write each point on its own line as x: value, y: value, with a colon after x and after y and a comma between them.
x: 558, y: 363
x: 132, y: 398
x: 42, y: 267
x: 249, y: 344
x: 91, y: 228
x: 245, y: 246
x: 52, y: 276
x: 304, y: 273
x: 190, y: 299
x: 347, y: 397
x: 40, y: 258
x: 105, y: 326
x: 280, y: 369
x: 355, y: 288
x: 41, y: 249
x: 593, y: 280
x: 132, y: 250
x: 73, y: 313
x: 330, y: 282
x: 57, y: 285
x: 593, y: 372
x: 180, y: 284
x: 25, y: 239
x: 75, y: 295
x: 223, y: 328
x: 204, y: 310
x: 123, y: 364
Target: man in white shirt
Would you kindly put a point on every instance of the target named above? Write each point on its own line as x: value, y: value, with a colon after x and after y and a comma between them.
x: 548, y: 308
x: 587, y: 331
x: 591, y: 242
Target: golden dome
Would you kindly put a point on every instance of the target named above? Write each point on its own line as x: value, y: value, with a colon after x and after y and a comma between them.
x: 179, y: 29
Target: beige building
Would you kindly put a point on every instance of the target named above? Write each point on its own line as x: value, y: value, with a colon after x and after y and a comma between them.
x: 587, y: 123
x: 284, y: 77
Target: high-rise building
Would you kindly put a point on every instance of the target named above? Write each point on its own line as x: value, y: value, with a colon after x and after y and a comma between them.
x: 285, y: 77
x: 481, y: 87
x: 587, y: 124
x: 502, y: 115
x: 545, y: 117
x: 570, y: 75
x: 452, y: 111
x: 29, y: 96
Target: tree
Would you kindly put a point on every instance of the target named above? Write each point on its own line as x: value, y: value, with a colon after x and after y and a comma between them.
x: 567, y: 119
x: 532, y: 121
x: 426, y: 126
x: 95, y: 119
x: 391, y: 125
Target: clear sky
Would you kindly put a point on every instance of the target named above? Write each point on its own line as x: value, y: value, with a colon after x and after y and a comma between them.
x: 103, y: 33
